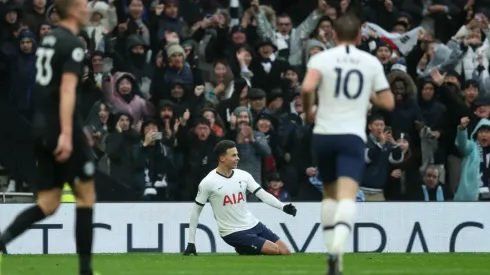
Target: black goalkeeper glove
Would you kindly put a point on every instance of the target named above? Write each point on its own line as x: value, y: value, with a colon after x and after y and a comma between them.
x: 289, y: 209
x: 191, y: 249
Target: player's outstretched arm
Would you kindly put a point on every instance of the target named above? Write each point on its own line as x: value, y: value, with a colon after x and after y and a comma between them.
x: 254, y: 188
x: 201, y: 198
x: 194, y: 220
x: 274, y: 202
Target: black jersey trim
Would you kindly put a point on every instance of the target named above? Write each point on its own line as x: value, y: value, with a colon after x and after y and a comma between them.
x: 198, y: 203
x: 257, y: 190
x: 231, y: 175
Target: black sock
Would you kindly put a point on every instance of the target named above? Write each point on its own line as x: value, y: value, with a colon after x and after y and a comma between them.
x: 23, y: 221
x: 84, y: 236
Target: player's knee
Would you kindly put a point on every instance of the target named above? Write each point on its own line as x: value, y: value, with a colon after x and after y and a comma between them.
x: 49, y: 202
x: 283, y: 248
x: 270, y: 248
x: 346, y: 188
x: 284, y: 251
x: 85, y: 194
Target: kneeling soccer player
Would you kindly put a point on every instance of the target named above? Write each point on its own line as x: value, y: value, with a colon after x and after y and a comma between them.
x: 225, y: 187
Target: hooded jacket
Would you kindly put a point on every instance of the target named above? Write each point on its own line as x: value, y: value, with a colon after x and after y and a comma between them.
x: 23, y: 80
x: 469, y: 184
x: 407, y: 111
x: 136, y: 106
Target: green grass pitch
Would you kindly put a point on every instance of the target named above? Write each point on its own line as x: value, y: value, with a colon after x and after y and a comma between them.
x: 228, y: 264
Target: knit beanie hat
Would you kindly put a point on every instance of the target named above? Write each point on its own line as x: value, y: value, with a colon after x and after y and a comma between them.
x: 174, y: 49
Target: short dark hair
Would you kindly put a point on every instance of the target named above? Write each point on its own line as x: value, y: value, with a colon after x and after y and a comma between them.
x: 284, y: 15
x: 347, y: 27
x: 374, y: 118
x: 62, y: 6
x: 223, y: 146
x: 202, y: 121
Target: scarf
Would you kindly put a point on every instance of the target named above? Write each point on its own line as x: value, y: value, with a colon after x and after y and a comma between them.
x: 404, y: 43
x: 439, y: 193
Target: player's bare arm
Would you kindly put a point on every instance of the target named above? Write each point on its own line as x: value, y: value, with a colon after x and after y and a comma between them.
x: 68, y: 86
x: 308, y: 89
x: 384, y: 99
x: 382, y: 95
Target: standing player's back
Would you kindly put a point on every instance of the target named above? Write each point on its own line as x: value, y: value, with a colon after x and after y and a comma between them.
x: 349, y: 76
x: 59, y: 52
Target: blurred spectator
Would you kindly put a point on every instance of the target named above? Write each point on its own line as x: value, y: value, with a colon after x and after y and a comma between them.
x: 156, y: 168
x: 431, y: 188
x: 23, y: 80
x: 121, y: 91
x: 475, y: 149
x: 252, y: 145
x: 382, y: 150
x: 122, y: 149
x: 197, y: 145
x: 275, y: 185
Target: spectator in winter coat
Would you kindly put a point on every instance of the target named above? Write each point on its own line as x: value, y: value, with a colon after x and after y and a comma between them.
x: 122, y: 149
x: 155, y: 168
x: 275, y: 187
x: 475, y: 150
x: 434, y: 115
x: 380, y: 152
x: 167, y: 121
x: 197, y: 144
x: 36, y: 15
x: 98, y: 125
x: 252, y: 145
x: 459, y: 106
x: 406, y: 117
x: 121, y: 92
x: 431, y: 188
x: 135, y: 60
x: 219, y: 84
x: 22, y: 81
x: 215, y: 121
x: 267, y: 68
x: 177, y: 65
x: 170, y: 20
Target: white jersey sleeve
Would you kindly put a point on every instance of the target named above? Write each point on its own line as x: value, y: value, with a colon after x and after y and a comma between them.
x: 203, y: 193
x: 252, y: 185
x: 380, y: 83
x: 315, y: 63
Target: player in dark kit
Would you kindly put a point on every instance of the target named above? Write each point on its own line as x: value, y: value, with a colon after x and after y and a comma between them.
x: 61, y: 146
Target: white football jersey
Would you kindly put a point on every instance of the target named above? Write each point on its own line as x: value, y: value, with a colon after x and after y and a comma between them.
x: 228, y: 198
x: 349, y: 76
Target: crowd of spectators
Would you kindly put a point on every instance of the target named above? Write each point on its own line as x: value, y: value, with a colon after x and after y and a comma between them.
x: 165, y: 80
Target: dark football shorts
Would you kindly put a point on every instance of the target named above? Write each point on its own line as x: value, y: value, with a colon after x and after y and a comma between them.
x: 339, y: 156
x: 53, y: 174
x: 251, y: 241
